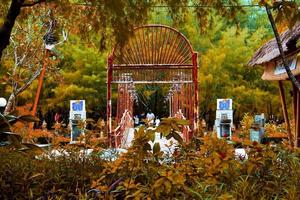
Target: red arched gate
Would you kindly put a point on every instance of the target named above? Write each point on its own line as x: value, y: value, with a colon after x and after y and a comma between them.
x: 154, y: 54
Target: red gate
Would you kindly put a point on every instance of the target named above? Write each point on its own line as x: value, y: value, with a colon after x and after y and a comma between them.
x: 154, y: 54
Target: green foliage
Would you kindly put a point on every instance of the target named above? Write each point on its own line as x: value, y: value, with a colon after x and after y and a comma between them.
x: 82, y: 75
x: 223, y: 75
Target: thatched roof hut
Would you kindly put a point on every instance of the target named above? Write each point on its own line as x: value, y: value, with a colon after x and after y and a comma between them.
x: 268, y: 56
x: 270, y: 52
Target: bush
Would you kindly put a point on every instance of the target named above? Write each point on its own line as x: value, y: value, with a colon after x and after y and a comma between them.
x: 65, y: 177
x: 205, y: 169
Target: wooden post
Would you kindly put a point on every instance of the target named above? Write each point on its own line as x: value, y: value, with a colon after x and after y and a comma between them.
x: 171, y: 105
x: 183, y: 100
x: 127, y: 97
x: 195, y: 80
x: 297, y: 123
x: 191, y: 105
x: 176, y: 102
x: 119, y: 101
x: 40, y: 83
x: 296, y: 99
x: 285, y: 113
x: 108, y: 99
x: 39, y: 87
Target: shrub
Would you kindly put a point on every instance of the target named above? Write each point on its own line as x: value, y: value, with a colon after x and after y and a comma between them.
x: 204, y: 169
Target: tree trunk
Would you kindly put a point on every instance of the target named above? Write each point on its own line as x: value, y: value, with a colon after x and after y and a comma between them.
x: 10, y: 104
x: 7, y: 26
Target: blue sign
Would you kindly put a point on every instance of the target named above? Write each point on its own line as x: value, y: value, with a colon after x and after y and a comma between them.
x: 224, y: 105
x: 77, y: 106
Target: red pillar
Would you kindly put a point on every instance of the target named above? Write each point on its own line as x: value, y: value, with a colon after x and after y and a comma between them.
x: 40, y: 83
x: 196, y: 98
x: 127, y: 97
x: 191, y: 102
x: 120, y: 102
x: 175, y: 103
x: 170, y: 106
x: 131, y: 106
x: 108, y: 99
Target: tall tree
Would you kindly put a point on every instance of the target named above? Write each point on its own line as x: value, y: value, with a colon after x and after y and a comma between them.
x: 117, y: 17
x: 110, y: 18
x: 24, y: 58
x: 10, y: 19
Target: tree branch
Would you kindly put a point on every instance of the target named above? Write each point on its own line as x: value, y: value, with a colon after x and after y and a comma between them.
x: 33, y: 3
x: 30, y: 80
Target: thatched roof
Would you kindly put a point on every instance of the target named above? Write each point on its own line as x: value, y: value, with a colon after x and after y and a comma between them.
x: 270, y: 51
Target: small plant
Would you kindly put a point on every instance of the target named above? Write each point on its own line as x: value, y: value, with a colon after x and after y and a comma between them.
x: 246, y: 123
x: 274, y: 130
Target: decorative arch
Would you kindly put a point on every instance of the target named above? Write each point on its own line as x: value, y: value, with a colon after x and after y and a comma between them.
x: 154, y: 45
x: 154, y: 54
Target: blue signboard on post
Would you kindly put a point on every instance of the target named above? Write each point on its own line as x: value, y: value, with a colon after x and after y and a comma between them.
x: 77, y: 115
x: 77, y: 106
x: 224, y: 104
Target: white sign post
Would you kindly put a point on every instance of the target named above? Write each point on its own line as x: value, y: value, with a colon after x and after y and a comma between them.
x: 77, y: 115
x: 224, y: 118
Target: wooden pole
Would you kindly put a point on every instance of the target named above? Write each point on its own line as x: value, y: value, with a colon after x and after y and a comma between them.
x: 174, y: 103
x: 285, y: 113
x: 170, y: 106
x: 40, y: 83
x: 177, y: 101
x: 296, y: 115
x: 108, y: 99
x: 39, y: 87
x: 195, y: 79
x: 119, y: 106
x: 191, y: 105
x: 127, y: 98
x: 184, y: 100
x: 297, y: 120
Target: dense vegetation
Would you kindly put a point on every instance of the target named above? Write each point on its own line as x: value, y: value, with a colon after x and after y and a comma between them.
x: 205, y: 169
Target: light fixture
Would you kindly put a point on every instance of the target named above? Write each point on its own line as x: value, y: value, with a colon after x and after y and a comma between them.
x: 3, y: 102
